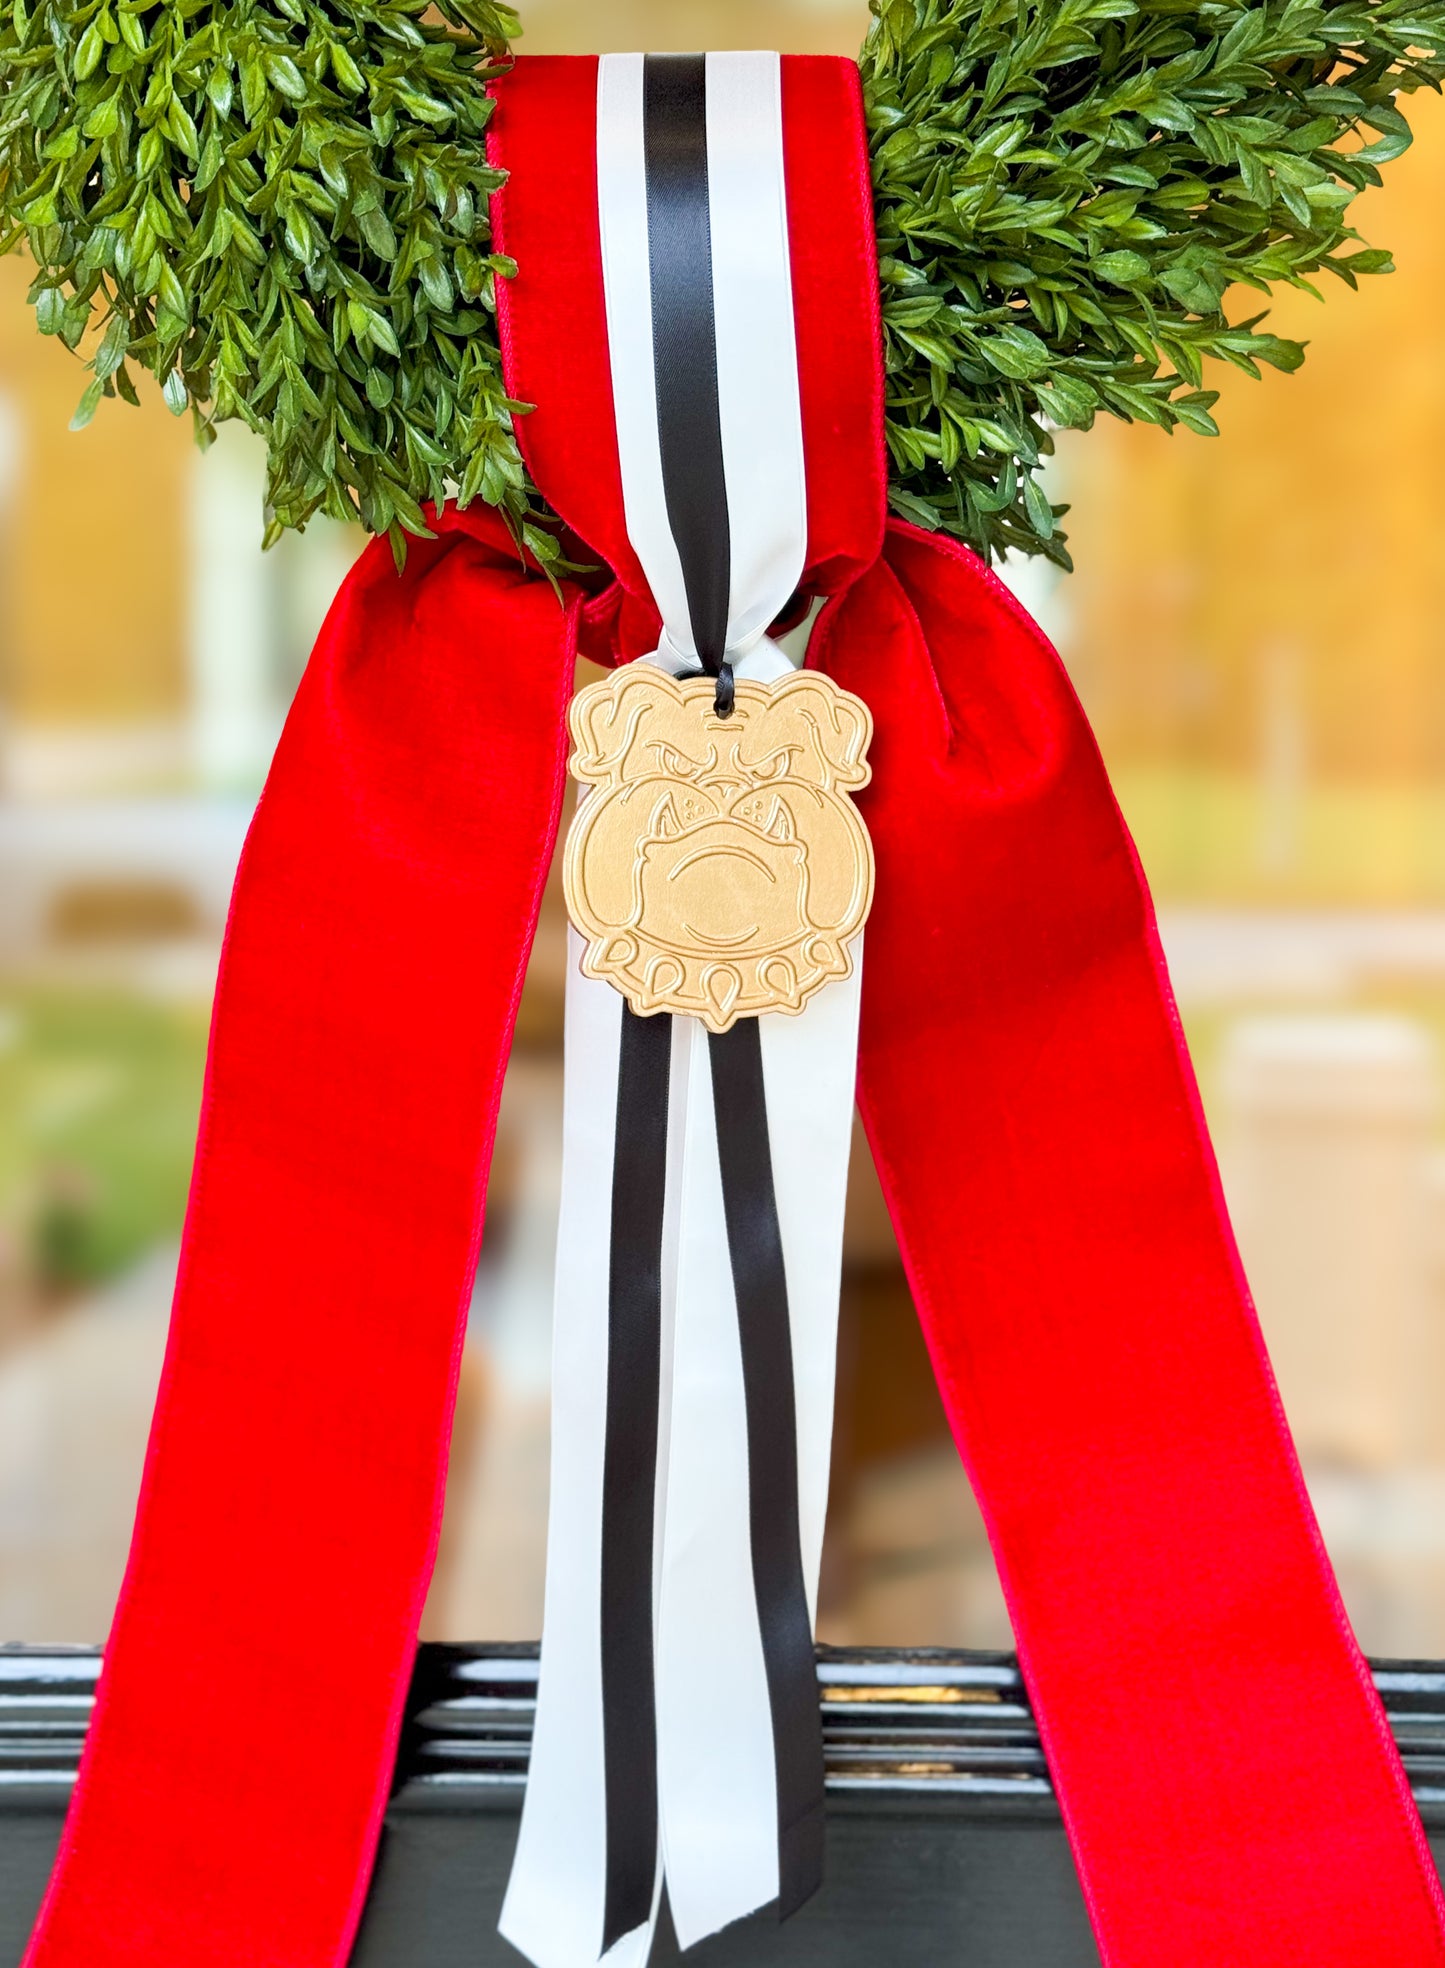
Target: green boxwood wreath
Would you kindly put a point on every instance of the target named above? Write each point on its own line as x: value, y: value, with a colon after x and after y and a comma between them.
x: 278, y: 208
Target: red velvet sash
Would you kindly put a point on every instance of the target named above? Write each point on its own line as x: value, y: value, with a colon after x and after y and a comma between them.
x: 1224, y: 1766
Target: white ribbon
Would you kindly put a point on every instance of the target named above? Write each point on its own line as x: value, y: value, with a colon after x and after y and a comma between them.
x: 757, y: 353
x: 716, y: 1775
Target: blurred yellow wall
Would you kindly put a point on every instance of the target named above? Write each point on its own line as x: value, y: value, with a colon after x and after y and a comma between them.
x: 92, y: 541
x: 569, y: 27
x: 1293, y: 568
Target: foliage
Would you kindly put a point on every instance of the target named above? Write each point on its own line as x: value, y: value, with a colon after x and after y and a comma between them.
x: 1067, y: 190
x: 98, y: 1096
x: 279, y: 209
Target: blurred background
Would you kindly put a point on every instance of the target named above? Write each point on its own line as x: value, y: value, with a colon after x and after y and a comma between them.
x: 1256, y: 628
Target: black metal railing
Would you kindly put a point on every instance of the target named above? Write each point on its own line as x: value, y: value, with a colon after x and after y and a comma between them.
x: 944, y: 1835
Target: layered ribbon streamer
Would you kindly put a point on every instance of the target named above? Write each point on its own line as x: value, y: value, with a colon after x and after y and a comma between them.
x: 678, y: 1700
x: 1225, y: 1771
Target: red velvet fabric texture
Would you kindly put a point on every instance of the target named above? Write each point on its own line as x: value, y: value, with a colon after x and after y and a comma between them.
x: 1031, y: 1109
x: 1226, y: 1773
x: 229, y: 1799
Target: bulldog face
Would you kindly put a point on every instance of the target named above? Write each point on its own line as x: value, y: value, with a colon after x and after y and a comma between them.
x: 719, y: 867
x: 722, y: 887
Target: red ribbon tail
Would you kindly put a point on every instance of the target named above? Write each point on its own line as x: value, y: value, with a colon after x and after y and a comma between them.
x: 226, y: 1812
x: 1218, y: 1748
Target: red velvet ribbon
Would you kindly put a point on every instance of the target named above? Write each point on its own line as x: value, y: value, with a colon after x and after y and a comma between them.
x: 1224, y: 1766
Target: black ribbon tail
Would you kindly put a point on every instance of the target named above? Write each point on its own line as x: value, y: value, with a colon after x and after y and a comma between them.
x: 760, y: 1286
x: 629, y: 1481
x: 755, y: 1246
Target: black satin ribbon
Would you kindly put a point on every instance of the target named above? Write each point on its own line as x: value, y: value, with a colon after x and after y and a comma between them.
x: 690, y: 437
x: 760, y: 1283
x: 629, y: 1481
x: 684, y: 348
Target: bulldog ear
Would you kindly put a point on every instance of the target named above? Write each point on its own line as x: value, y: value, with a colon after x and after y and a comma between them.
x: 853, y: 730
x: 596, y: 734
x: 825, y: 729
x: 844, y: 727
x: 641, y: 688
x: 607, y: 719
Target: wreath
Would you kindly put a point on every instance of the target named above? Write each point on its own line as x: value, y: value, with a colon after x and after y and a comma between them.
x: 279, y: 210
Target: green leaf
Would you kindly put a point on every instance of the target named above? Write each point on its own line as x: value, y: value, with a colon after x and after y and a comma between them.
x: 1036, y: 505
x: 348, y: 76
x: 1193, y: 413
x: 376, y: 230
x: 88, y: 405
x: 181, y: 128
x: 908, y: 506
x: 1192, y: 288
x: 219, y: 91
x: 382, y: 332
x: 1016, y: 352
x: 541, y: 544
x: 436, y: 283
x: 111, y: 353
x: 283, y: 74
x: 1068, y: 401
x: 1372, y: 259
x: 88, y: 55
x: 1122, y: 268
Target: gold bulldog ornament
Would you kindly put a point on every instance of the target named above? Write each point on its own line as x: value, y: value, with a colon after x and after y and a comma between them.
x: 718, y: 867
